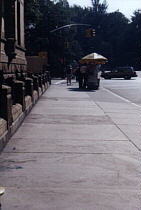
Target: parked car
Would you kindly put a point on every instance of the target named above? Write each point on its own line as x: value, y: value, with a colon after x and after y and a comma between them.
x: 120, y: 72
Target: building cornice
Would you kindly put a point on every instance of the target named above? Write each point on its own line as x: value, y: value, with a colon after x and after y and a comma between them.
x: 20, y: 48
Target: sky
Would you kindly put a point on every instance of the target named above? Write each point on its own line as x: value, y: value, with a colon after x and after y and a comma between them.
x: 127, y: 7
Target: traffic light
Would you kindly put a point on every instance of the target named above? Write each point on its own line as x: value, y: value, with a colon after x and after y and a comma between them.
x: 67, y: 45
x: 90, y: 32
x: 43, y: 54
x: 93, y: 32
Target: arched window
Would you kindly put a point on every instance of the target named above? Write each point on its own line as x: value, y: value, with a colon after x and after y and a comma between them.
x: 10, y: 30
x: 2, y: 19
x: 9, y: 16
x: 18, y: 22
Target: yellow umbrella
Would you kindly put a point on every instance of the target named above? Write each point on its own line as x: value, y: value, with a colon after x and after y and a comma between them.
x: 94, y: 58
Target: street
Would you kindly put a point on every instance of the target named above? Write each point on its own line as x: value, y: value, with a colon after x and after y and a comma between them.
x: 128, y: 89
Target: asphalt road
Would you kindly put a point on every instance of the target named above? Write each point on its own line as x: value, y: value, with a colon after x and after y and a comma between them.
x: 127, y: 89
x: 116, y: 90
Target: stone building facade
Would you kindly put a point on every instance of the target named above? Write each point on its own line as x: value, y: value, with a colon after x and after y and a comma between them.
x: 19, y: 89
x: 12, y: 48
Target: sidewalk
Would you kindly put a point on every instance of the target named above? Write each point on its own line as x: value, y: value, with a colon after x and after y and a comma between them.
x: 76, y: 150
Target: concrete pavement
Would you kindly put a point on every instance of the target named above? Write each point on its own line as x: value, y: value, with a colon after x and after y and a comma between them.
x: 76, y: 150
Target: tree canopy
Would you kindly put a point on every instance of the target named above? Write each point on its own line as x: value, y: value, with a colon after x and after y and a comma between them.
x: 117, y: 38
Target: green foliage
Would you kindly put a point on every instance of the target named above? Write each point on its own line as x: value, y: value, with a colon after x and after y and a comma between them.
x: 99, y: 8
x: 116, y: 38
x: 32, y: 12
x: 130, y: 42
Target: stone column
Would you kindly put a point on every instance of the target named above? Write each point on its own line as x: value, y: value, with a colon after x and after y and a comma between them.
x: 29, y: 87
x: 35, y: 89
x: 10, y: 82
x: 35, y: 83
x: 6, y: 105
x: 40, y: 81
x: 43, y: 79
x: 1, y: 82
x: 19, y: 93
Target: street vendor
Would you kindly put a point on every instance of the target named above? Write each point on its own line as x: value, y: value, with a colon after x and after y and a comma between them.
x: 82, y: 77
x: 69, y: 74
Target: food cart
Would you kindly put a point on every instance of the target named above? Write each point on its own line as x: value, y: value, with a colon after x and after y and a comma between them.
x: 93, y: 62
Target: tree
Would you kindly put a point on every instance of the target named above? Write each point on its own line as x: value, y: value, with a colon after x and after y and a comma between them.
x: 32, y: 12
x: 116, y: 38
x: 112, y: 29
x: 99, y: 8
x: 130, y: 43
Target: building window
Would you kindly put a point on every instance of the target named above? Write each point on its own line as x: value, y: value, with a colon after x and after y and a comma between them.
x: 9, y: 16
x: 2, y: 20
x: 18, y: 23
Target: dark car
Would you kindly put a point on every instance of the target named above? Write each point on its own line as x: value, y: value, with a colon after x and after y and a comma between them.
x: 120, y: 72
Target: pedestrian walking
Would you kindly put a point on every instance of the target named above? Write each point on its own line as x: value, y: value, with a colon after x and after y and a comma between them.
x: 69, y: 74
x: 83, y: 76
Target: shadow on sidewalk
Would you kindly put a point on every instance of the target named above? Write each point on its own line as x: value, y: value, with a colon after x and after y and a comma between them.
x: 81, y: 89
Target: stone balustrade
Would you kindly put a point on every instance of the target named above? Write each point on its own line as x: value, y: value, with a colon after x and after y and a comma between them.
x: 29, y: 87
x: 19, y: 93
x: 17, y: 97
x: 6, y: 105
